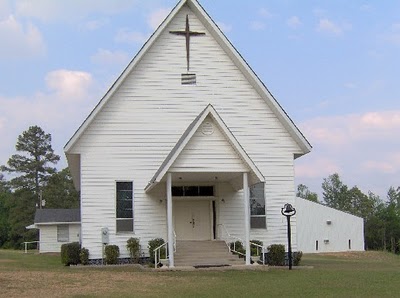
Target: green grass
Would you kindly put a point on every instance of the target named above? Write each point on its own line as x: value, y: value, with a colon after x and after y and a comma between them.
x: 369, y: 274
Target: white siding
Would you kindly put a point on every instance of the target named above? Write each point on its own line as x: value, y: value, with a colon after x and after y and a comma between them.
x: 134, y: 132
x: 312, y: 226
x: 48, y: 237
x: 208, y: 153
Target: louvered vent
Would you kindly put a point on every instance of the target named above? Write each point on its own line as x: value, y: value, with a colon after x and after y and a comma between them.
x: 188, y: 79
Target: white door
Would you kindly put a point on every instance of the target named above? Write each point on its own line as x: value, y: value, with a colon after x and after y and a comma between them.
x: 192, y: 220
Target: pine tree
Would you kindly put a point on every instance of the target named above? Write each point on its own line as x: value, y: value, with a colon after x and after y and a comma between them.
x: 33, y: 162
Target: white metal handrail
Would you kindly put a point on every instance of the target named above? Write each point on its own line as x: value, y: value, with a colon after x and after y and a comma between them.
x: 174, y: 241
x: 29, y: 242
x: 258, y: 249
x: 231, y: 239
x: 157, y: 253
x: 234, y: 238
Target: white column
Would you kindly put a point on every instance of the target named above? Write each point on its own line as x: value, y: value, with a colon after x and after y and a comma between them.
x: 246, y: 217
x: 169, y: 221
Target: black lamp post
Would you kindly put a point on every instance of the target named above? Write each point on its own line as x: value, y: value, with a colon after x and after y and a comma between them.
x: 289, y: 211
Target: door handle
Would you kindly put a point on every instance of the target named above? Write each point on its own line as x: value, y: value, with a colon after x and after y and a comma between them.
x: 192, y: 222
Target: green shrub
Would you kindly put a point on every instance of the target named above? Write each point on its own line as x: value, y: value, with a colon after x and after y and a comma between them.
x: 111, y: 254
x: 133, y: 246
x: 297, y: 258
x: 153, y: 244
x: 254, y: 249
x: 70, y: 253
x: 84, y: 256
x: 276, y: 255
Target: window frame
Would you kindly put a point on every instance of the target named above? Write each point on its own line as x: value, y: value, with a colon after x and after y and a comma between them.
x: 127, y: 219
x: 264, y: 216
x: 60, y: 230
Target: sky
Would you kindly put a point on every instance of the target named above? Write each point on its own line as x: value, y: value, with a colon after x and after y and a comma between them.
x: 333, y: 66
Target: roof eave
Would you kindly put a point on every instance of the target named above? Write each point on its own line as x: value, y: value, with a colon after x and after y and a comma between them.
x: 256, y: 82
x: 72, y: 141
x: 185, y: 138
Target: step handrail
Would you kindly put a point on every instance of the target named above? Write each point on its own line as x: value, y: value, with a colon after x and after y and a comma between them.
x: 230, y: 238
x: 235, y: 238
x: 258, y: 249
x: 157, y: 251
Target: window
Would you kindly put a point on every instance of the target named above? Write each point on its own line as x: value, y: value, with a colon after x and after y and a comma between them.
x: 124, y: 206
x: 316, y: 244
x: 62, y: 233
x: 193, y: 191
x: 257, y: 206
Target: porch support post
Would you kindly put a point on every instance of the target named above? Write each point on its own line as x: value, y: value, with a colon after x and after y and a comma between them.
x: 246, y: 217
x: 169, y: 221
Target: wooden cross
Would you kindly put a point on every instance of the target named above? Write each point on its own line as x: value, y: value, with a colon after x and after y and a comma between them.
x: 187, y: 33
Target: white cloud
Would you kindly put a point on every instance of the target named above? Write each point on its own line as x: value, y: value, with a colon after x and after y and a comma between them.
x: 131, y: 37
x: 95, y: 24
x: 350, y: 85
x: 294, y: 22
x: 224, y: 27
x: 70, y: 11
x: 380, y: 166
x: 19, y: 40
x: 346, y: 130
x: 110, y: 58
x: 265, y: 13
x: 257, y: 25
x: 330, y: 27
x: 319, y: 167
x: 68, y: 85
x: 366, y: 7
x: 360, y: 147
x: 319, y: 12
x: 59, y: 110
x: 155, y: 19
x: 394, y: 34
x: 5, y: 9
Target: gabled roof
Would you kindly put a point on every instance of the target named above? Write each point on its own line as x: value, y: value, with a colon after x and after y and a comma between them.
x: 43, y: 216
x: 187, y: 135
x: 258, y: 85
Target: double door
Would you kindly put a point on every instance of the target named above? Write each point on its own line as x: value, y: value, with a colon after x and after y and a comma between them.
x: 192, y: 220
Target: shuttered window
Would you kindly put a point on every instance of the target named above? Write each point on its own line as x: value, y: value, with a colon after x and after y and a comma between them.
x: 124, y: 206
x: 62, y: 233
x: 257, y: 206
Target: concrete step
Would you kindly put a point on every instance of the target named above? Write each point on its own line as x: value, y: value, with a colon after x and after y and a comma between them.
x: 209, y: 253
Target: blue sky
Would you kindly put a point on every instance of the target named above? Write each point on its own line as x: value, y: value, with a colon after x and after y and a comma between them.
x: 333, y: 66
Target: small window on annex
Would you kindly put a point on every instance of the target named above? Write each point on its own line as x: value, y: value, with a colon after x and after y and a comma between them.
x: 257, y: 206
x: 124, y: 206
x: 62, y: 233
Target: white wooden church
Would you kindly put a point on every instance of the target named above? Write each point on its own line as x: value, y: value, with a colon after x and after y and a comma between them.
x: 188, y: 144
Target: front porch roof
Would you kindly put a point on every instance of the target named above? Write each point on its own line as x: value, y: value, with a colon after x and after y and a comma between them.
x: 201, y: 176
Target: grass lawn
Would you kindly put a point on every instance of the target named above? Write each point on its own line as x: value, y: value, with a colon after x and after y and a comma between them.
x: 368, y: 274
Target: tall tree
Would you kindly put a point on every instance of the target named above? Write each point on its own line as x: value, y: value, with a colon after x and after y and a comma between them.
x: 393, y: 196
x: 21, y: 214
x: 33, y: 164
x: 60, y: 191
x: 305, y: 193
x: 335, y: 193
x: 4, y: 211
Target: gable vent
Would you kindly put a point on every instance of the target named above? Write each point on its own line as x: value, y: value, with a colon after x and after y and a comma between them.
x: 188, y: 79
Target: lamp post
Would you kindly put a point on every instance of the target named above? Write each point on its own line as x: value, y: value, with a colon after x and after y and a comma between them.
x: 289, y: 211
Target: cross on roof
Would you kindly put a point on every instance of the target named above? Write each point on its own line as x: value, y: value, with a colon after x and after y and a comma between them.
x: 187, y: 33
